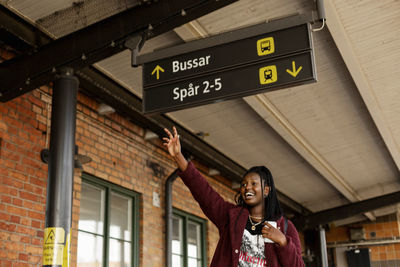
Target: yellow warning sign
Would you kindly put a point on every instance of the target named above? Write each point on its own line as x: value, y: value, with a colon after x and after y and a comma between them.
x: 265, y: 46
x: 268, y: 74
x: 53, y: 246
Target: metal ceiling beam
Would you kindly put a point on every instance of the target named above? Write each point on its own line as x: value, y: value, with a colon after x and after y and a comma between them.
x: 97, y: 41
x: 346, y: 211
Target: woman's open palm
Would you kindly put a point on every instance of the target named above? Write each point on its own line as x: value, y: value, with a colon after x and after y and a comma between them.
x: 172, y: 142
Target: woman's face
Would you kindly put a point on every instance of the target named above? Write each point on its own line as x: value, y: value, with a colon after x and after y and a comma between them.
x: 251, y: 190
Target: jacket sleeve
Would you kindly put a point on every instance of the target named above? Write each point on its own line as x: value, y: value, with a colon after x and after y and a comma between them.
x: 290, y: 255
x: 212, y: 204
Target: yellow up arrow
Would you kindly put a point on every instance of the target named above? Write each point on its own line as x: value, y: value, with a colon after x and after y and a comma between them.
x: 294, y: 72
x: 157, y: 70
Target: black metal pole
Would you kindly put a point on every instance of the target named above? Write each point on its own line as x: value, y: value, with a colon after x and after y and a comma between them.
x: 168, y: 217
x: 56, y: 243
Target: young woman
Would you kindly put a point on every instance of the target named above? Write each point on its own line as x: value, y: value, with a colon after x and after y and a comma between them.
x: 253, y: 232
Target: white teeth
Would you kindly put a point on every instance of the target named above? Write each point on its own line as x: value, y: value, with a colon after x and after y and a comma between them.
x: 248, y: 194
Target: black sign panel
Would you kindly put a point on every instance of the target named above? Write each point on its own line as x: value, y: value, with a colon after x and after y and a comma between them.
x: 231, y: 83
x: 250, y: 50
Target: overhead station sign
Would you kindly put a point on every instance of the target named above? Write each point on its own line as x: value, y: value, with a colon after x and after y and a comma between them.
x: 255, y: 64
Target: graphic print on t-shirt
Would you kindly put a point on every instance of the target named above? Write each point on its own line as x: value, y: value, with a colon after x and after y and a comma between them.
x: 252, y: 251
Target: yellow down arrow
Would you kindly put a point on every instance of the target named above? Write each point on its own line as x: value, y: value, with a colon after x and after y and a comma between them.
x: 157, y: 70
x: 294, y: 72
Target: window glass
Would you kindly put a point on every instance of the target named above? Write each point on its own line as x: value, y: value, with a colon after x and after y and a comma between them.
x: 120, y: 253
x: 121, y: 214
x: 177, y: 236
x: 177, y: 250
x: 90, y: 250
x: 194, y: 244
x: 193, y: 239
x: 91, y: 214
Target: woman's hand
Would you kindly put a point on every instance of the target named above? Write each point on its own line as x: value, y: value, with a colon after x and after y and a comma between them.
x: 172, y: 142
x: 268, y: 231
x: 174, y: 148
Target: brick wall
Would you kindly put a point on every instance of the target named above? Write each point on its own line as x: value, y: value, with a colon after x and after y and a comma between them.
x: 119, y: 154
x: 22, y: 181
x: 383, y: 228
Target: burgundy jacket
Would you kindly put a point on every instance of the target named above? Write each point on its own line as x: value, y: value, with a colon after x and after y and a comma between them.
x: 231, y: 221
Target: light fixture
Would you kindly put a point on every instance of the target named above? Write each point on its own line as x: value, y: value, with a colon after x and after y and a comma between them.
x: 149, y: 135
x: 105, y: 109
x: 213, y: 172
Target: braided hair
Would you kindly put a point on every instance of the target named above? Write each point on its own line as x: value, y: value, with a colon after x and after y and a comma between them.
x: 272, y: 209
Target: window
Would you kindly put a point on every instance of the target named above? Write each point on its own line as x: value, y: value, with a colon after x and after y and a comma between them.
x: 108, y: 225
x: 188, y: 240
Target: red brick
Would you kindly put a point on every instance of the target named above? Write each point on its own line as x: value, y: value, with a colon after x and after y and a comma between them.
x: 42, y: 127
x: 28, y: 196
x: 3, y: 225
x: 35, y: 260
x: 5, y: 199
x: 15, y: 219
x: 3, y: 171
x: 25, y: 230
x: 36, y: 224
x: 12, y: 121
x: 19, y: 176
x: 16, y: 210
x: 36, y: 101
x: 10, y: 155
x: 10, y: 146
x: 13, y: 182
x: 39, y: 182
x: 9, y: 164
x: 17, y: 202
x: 31, y: 163
x: 5, y: 216
x: 11, y: 255
x: 39, y: 234
x: 35, y: 250
x: 20, y: 168
x: 4, y: 110
x: 11, y: 227
x: 36, y: 215
x: 23, y: 257
x: 37, y: 241
x: 25, y: 239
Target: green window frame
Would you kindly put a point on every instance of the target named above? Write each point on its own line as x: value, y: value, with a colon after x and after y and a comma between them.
x: 183, y: 226
x: 105, y: 233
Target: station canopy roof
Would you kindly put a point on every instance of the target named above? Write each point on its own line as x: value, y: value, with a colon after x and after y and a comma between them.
x: 328, y: 144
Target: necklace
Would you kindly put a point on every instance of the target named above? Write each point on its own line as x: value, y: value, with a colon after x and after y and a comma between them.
x: 253, y: 225
x: 255, y: 217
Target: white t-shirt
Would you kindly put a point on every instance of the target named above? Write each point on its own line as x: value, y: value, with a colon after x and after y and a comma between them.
x: 252, y: 252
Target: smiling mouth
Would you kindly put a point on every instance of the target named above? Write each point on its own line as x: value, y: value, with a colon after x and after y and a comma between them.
x: 249, y: 195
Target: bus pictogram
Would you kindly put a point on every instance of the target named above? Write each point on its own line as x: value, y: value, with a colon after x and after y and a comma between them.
x: 265, y: 46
